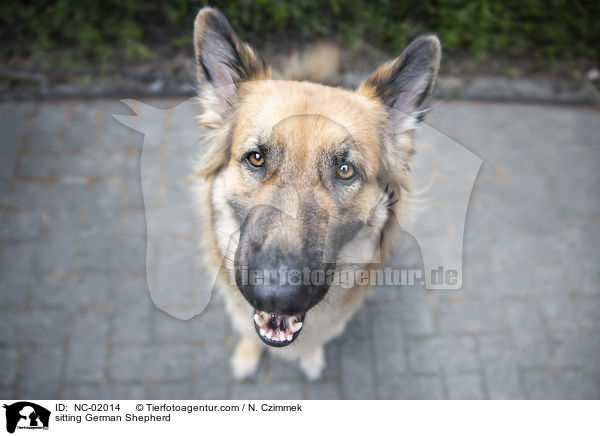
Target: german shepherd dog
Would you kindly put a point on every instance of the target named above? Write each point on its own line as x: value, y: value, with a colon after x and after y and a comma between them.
x: 299, y: 177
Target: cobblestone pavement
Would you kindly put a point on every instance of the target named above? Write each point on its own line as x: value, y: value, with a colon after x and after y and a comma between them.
x: 76, y: 320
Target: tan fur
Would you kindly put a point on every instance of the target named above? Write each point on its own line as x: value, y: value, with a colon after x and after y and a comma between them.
x: 300, y: 120
x: 363, y: 116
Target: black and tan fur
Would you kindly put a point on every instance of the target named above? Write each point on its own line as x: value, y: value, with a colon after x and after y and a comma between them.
x: 304, y: 129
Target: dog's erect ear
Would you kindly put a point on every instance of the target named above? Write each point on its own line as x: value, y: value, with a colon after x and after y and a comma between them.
x: 223, y: 62
x: 405, y: 83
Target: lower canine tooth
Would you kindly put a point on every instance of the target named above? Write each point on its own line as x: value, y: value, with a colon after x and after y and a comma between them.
x: 296, y: 326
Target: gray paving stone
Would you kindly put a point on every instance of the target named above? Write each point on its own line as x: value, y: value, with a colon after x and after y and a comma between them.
x: 588, y: 312
x: 267, y: 391
x: 93, y: 254
x: 57, y: 249
x: 356, y: 366
x: 576, y: 349
x: 128, y: 254
x: 584, y: 278
x: 209, y: 326
x: 465, y: 387
x: 211, y: 371
x: 41, y: 373
x: 442, y: 355
x: 65, y: 193
x: 502, y: 282
x: 529, y: 333
x: 133, y: 196
x: 503, y: 382
x: 133, y: 222
x: 323, y: 390
x: 499, y: 360
x: 174, y: 274
x: 86, y: 357
x: 416, y: 313
x: 14, y: 289
x: 174, y: 220
x: 14, y: 123
x: 411, y: 388
x: 81, y: 129
x: 9, y: 362
x: 47, y: 128
x: 24, y: 194
x: 332, y: 361
x: 113, y: 135
x: 280, y: 370
x: 73, y: 258
x: 129, y: 289
x: 562, y: 385
x: 20, y: 225
x: 16, y: 274
x: 171, y: 391
x: 470, y: 317
x: 41, y: 327
x: 150, y: 363
x: 559, y: 312
x: 388, y: 341
x: 36, y: 166
x: 72, y: 292
x: 90, y: 164
x: 550, y: 281
x: 121, y: 391
x: 18, y: 258
x: 132, y: 324
x: 103, y: 195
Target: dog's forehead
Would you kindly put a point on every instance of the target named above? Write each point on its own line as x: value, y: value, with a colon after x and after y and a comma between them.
x: 307, y: 115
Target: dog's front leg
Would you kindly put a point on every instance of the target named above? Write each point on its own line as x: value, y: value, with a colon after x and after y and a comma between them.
x: 246, y: 357
x: 313, y: 363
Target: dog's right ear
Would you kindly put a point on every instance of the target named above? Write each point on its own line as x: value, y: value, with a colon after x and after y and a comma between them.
x: 223, y: 63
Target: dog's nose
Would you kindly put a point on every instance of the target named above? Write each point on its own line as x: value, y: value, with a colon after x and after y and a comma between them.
x: 281, y: 299
x: 279, y: 284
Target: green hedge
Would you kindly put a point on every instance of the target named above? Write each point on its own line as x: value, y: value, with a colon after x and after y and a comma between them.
x: 75, y: 32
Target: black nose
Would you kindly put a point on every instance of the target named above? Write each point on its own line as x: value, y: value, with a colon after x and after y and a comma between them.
x: 281, y: 284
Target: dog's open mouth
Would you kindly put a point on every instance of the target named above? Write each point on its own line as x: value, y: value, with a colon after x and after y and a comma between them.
x: 277, y: 330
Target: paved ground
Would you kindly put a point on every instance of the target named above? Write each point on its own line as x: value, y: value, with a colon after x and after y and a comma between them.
x: 76, y: 320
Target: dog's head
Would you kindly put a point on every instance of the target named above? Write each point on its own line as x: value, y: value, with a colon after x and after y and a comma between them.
x: 310, y: 174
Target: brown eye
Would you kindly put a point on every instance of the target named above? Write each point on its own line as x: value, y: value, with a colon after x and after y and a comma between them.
x: 255, y: 159
x: 345, y: 171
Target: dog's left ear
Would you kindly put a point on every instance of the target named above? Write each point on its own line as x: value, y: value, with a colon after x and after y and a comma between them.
x: 405, y: 84
x: 223, y: 63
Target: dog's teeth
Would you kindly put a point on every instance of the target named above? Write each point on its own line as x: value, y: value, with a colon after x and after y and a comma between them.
x: 295, y: 326
x: 269, y: 334
x: 289, y: 337
x: 260, y: 318
x: 263, y: 332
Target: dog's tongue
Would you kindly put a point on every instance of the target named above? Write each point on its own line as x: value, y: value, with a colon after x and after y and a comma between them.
x: 277, y: 329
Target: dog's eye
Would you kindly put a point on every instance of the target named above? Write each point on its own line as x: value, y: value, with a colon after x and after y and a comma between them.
x: 255, y: 159
x: 346, y: 171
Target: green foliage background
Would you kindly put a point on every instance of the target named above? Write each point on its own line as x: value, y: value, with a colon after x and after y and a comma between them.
x: 74, y: 33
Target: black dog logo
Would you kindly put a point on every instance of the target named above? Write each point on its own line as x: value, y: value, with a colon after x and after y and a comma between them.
x: 26, y: 415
